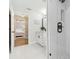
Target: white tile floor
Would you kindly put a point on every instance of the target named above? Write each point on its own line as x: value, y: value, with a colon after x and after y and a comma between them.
x: 33, y: 51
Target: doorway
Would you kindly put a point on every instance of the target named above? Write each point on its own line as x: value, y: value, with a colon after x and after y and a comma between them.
x: 21, y: 30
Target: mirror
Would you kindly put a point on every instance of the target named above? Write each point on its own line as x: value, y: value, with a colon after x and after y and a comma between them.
x: 29, y: 21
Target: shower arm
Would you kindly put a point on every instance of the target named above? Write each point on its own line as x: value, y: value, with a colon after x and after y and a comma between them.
x: 42, y: 22
x: 43, y: 28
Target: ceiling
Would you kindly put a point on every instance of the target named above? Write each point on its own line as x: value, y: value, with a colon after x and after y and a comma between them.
x: 26, y: 6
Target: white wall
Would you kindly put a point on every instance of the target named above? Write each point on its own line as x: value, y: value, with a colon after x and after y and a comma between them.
x: 34, y: 25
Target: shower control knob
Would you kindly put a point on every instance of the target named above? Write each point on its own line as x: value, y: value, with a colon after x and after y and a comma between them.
x: 59, y: 27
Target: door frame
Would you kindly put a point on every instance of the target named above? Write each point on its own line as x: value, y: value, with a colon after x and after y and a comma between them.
x: 12, y: 29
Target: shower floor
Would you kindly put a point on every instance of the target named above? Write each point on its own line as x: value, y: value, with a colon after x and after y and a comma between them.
x: 32, y: 51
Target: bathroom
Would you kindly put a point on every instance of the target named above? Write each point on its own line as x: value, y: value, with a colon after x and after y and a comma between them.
x: 29, y: 29
x: 39, y: 29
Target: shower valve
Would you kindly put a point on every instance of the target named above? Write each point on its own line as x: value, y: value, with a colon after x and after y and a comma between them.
x: 59, y: 27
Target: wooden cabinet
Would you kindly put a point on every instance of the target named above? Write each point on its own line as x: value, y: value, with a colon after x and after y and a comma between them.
x: 21, y: 41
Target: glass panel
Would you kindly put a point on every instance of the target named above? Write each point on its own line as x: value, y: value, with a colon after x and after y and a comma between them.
x: 30, y: 29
